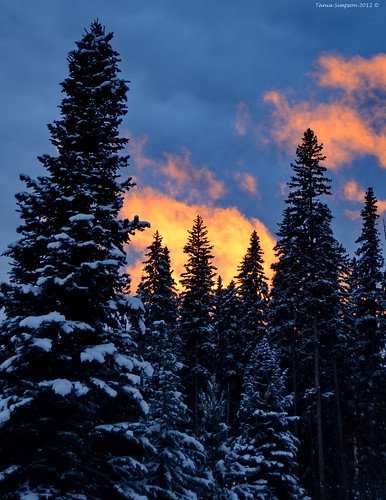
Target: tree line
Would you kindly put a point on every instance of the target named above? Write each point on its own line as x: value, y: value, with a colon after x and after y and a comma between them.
x: 232, y: 392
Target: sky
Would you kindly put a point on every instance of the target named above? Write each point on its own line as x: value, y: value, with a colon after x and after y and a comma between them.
x: 221, y: 93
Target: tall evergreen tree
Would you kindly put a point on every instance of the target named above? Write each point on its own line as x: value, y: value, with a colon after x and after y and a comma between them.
x: 176, y: 465
x: 263, y: 463
x: 368, y: 342
x: 226, y: 326
x: 157, y: 289
x: 252, y: 287
x: 196, y: 312
x: 70, y: 401
x: 306, y: 318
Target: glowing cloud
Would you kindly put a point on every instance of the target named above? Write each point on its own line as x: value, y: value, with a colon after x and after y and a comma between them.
x: 228, y: 231
x: 351, y: 123
x: 177, y: 174
x: 352, y: 191
x: 246, y: 182
x: 356, y: 74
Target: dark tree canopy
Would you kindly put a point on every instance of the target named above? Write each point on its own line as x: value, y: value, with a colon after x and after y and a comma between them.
x: 69, y: 378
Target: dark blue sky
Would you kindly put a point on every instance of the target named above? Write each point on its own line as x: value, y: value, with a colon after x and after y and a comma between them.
x: 220, y: 93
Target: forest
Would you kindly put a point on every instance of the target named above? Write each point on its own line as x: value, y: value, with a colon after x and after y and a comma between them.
x: 196, y: 390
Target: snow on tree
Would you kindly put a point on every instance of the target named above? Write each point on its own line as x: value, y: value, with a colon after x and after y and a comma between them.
x: 367, y: 374
x: 157, y: 289
x: 177, y: 462
x: 213, y: 433
x: 226, y: 326
x: 263, y: 461
x: 307, y: 321
x: 70, y: 388
x: 196, y: 313
x: 252, y: 288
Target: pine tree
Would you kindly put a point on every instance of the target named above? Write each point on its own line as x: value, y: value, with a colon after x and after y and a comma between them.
x: 157, y: 289
x: 196, y: 313
x: 252, y: 287
x: 307, y: 321
x: 368, y: 341
x: 226, y: 327
x: 213, y: 433
x: 263, y: 462
x: 177, y: 463
x: 70, y: 401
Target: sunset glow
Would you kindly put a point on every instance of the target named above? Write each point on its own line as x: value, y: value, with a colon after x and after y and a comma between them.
x: 351, y: 124
x: 229, y: 232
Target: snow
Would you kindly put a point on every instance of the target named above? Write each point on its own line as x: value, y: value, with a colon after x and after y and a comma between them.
x: 63, y: 386
x: 97, y: 352
x: 136, y: 304
x: 7, y: 364
x: 6, y: 408
x: 29, y: 496
x: 117, y: 427
x: 105, y: 387
x: 36, y: 321
x: 124, y: 361
x: 45, y: 344
x: 135, y: 379
x: 77, y: 217
x: 8, y: 471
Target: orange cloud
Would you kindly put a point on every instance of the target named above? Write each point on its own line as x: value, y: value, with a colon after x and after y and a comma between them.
x: 350, y: 124
x: 243, y: 118
x: 228, y: 230
x: 246, y: 182
x: 352, y: 191
x: 354, y: 74
x: 177, y: 174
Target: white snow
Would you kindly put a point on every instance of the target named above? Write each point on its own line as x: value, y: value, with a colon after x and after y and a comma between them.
x: 36, y: 321
x: 136, y: 304
x: 63, y: 386
x: 8, y: 471
x: 124, y: 361
x: 29, y: 496
x: 81, y: 217
x: 117, y: 427
x: 6, y: 408
x: 135, y: 379
x: 45, y: 344
x: 8, y: 363
x: 105, y: 387
x: 97, y: 352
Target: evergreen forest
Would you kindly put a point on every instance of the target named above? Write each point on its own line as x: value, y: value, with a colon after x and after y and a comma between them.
x: 239, y: 391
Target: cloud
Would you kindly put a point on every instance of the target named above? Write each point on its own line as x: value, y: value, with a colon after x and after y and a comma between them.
x: 228, y: 230
x: 177, y: 174
x: 351, y: 123
x: 352, y: 191
x: 246, y: 182
x: 356, y: 74
x: 243, y: 118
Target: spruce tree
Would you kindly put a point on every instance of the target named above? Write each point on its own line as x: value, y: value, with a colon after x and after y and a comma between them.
x: 307, y: 321
x: 368, y: 341
x: 252, y: 288
x: 176, y: 464
x: 263, y: 462
x: 71, y: 402
x: 226, y: 327
x: 196, y: 313
x: 213, y: 433
x: 157, y: 289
